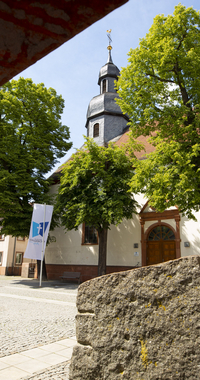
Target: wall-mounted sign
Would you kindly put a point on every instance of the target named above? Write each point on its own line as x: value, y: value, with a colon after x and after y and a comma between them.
x: 136, y: 253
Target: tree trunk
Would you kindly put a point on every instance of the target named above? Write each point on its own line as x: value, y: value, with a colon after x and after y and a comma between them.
x: 102, y: 251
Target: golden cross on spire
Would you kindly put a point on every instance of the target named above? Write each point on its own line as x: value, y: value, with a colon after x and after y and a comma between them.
x: 109, y: 38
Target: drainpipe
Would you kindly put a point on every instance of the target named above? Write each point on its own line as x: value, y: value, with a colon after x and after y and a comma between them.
x: 13, y: 261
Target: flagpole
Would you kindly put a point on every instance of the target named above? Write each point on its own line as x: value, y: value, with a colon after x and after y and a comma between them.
x: 41, y: 264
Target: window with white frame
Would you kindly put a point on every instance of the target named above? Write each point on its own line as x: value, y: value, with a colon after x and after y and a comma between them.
x: 18, y: 258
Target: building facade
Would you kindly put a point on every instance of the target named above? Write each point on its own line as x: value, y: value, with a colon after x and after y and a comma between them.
x: 12, y: 250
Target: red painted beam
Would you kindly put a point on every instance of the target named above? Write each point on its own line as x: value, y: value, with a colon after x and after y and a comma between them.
x: 31, y: 29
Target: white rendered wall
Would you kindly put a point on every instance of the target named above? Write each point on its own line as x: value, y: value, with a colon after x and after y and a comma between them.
x: 121, y: 239
x: 120, y: 246
x: 68, y: 249
x: 190, y: 232
x: 171, y: 223
x: 4, y: 248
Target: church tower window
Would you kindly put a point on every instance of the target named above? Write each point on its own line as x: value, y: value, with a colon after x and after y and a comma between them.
x: 104, y: 86
x: 96, y: 130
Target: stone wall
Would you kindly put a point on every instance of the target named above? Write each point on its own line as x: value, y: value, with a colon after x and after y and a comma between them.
x: 140, y: 324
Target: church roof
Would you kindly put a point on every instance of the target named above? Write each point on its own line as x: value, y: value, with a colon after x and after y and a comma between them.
x: 104, y: 103
x: 109, y: 69
x: 123, y: 139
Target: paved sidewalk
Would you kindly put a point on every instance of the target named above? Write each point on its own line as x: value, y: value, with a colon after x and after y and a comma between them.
x: 17, y: 366
x: 37, y: 328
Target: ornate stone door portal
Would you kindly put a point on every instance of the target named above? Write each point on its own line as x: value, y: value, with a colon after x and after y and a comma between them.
x: 160, y: 242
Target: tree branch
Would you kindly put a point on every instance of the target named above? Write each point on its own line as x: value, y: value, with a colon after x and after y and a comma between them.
x: 160, y: 79
x: 177, y: 71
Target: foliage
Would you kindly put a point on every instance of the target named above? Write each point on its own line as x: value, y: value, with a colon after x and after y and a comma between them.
x: 32, y: 139
x: 94, y: 187
x: 169, y: 177
x: 160, y: 90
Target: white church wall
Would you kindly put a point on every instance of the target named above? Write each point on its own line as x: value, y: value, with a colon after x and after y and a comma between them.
x: 171, y: 223
x: 141, y: 200
x: 68, y: 249
x: 121, y: 240
x: 190, y: 233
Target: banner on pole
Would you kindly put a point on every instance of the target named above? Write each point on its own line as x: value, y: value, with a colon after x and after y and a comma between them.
x: 34, y: 246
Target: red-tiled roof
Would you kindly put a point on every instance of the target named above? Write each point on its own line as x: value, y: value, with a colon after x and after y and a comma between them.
x: 142, y: 139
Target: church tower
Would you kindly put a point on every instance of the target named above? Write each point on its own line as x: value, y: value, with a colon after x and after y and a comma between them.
x: 105, y: 120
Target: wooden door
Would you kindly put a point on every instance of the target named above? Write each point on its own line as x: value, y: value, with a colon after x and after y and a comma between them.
x: 154, y: 255
x: 160, y: 245
x: 169, y: 250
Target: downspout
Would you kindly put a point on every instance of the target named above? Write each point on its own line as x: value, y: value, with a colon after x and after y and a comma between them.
x: 13, y: 261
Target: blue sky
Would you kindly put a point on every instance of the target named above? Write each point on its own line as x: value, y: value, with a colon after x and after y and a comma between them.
x: 73, y: 69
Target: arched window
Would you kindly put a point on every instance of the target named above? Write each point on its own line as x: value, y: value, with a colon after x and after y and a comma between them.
x: 96, y: 130
x: 104, y: 86
x: 161, y: 233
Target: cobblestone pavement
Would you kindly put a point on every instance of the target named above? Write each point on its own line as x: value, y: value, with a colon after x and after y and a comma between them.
x: 31, y: 316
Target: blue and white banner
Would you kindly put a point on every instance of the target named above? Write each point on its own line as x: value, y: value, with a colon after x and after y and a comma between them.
x: 34, y: 246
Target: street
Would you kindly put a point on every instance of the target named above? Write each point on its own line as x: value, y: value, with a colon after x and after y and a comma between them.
x: 35, y: 318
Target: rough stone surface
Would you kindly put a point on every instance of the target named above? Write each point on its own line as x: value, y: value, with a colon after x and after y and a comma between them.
x: 140, y: 324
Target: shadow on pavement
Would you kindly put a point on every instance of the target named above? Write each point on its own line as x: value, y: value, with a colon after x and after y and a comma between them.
x: 34, y: 283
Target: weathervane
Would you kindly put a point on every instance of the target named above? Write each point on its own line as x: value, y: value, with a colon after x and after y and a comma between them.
x: 110, y: 39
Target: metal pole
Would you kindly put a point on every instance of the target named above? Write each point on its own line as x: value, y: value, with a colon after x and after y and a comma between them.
x: 41, y: 264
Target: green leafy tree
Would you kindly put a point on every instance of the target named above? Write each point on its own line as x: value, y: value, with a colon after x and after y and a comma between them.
x: 94, y: 189
x: 32, y: 138
x: 160, y: 91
